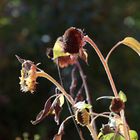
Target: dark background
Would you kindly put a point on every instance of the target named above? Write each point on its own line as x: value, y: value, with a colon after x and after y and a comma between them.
x: 28, y: 27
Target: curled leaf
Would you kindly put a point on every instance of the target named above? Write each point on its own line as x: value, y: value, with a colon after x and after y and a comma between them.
x: 58, y: 136
x: 56, y: 107
x: 122, y: 96
x: 132, y: 43
x: 43, y: 113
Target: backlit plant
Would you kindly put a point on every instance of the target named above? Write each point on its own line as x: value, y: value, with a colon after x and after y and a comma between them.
x: 67, y: 50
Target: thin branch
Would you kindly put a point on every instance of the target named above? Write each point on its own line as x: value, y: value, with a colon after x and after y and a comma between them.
x: 125, y: 127
x: 110, y: 52
x: 88, y: 97
x: 87, y: 39
x: 106, y: 67
x: 69, y: 108
x: 73, y: 82
x: 47, y: 76
x: 92, y: 132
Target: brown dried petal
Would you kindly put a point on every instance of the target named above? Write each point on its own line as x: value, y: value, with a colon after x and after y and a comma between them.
x: 117, y: 105
x: 65, y: 61
x: 73, y: 40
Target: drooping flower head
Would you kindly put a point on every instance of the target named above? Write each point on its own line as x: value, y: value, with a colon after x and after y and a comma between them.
x: 73, y: 40
x: 28, y: 75
x: 68, y: 48
x: 82, y: 115
x: 117, y: 105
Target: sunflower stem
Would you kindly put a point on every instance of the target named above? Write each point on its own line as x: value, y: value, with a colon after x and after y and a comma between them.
x: 110, y: 52
x: 87, y: 39
x: 92, y: 132
x: 47, y: 76
x: 88, y: 97
x: 106, y: 67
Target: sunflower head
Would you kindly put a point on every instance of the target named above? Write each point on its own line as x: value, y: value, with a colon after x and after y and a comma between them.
x: 73, y: 40
x: 28, y: 75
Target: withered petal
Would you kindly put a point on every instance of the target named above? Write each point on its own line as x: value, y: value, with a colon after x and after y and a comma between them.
x: 65, y: 61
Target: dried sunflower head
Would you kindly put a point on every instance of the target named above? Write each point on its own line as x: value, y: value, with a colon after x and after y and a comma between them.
x: 73, y: 40
x: 28, y: 75
x: 117, y: 105
x: 82, y: 115
x: 68, y: 48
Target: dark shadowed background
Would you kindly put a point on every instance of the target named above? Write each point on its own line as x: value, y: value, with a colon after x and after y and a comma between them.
x: 29, y: 27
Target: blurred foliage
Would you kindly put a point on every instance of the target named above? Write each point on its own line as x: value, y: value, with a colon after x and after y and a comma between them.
x: 28, y: 27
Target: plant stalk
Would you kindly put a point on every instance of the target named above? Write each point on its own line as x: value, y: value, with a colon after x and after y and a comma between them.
x: 92, y: 132
x: 125, y: 127
x: 110, y: 52
x: 106, y: 67
x: 47, y: 76
x: 88, y: 97
x: 68, y: 104
x: 87, y: 39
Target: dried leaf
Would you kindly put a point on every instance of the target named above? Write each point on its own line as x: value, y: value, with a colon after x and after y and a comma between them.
x: 58, y: 136
x: 57, y: 110
x: 43, y: 113
x: 132, y: 43
x: 57, y: 107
